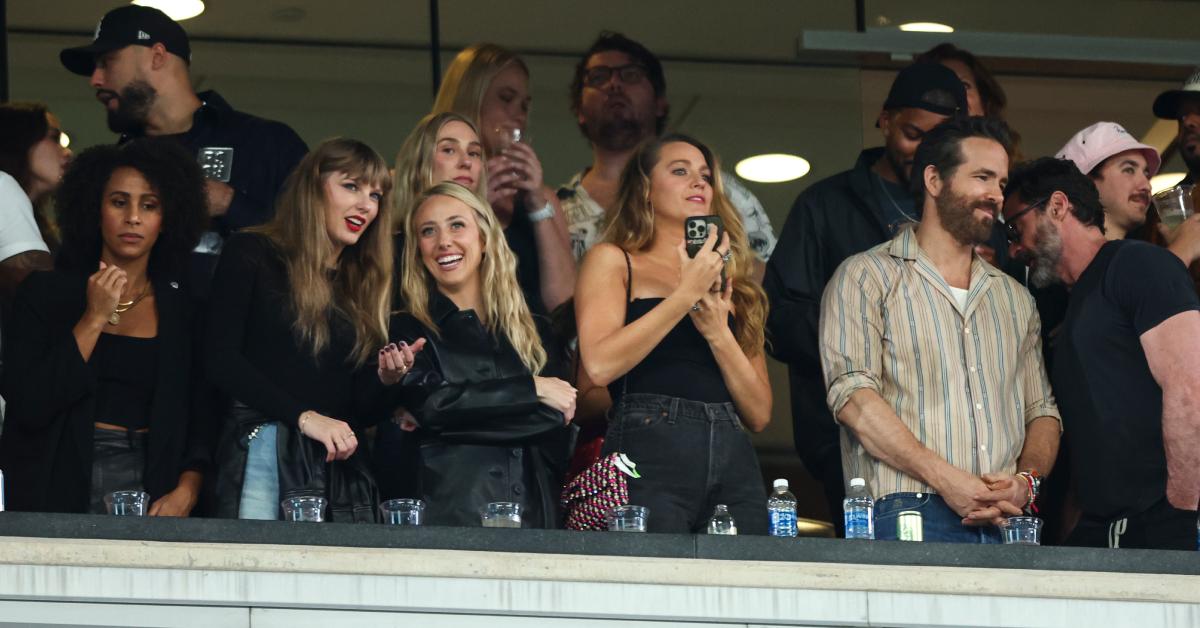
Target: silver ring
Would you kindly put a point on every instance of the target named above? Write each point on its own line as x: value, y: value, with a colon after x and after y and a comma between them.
x: 727, y: 256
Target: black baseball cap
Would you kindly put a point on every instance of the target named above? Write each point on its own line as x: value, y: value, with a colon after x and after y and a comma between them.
x: 929, y: 86
x: 127, y: 26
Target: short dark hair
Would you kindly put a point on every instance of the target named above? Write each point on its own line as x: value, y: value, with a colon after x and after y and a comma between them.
x: 175, y: 176
x: 1034, y: 180
x: 22, y: 125
x: 941, y: 147
x: 609, y: 40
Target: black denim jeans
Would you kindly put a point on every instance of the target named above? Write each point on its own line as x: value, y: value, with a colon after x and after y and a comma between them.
x: 691, y: 456
x: 118, y: 462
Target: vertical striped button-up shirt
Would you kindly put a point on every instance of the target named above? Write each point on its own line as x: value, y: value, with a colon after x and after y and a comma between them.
x: 965, y: 380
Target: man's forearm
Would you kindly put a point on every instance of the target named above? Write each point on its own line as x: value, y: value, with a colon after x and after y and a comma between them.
x: 1181, y: 440
x: 1041, y: 445
x: 873, y: 421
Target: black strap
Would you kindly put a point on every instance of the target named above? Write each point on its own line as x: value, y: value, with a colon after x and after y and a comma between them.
x: 628, y: 278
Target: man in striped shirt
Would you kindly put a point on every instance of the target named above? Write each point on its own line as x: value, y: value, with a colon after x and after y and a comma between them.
x: 933, y: 357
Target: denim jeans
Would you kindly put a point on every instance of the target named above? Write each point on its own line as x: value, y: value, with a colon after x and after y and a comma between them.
x: 939, y: 523
x: 118, y: 462
x: 260, y: 485
x: 691, y: 456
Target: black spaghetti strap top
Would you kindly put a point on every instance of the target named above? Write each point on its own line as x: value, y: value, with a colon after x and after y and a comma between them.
x: 125, y: 368
x: 681, y: 365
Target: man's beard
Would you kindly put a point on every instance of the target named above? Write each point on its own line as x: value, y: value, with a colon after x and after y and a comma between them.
x: 1191, y: 158
x: 615, y: 132
x: 133, y: 107
x: 957, y: 215
x: 1047, y: 252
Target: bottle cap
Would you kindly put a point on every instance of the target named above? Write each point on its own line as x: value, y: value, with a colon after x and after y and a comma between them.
x: 858, y: 482
x: 781, y: 482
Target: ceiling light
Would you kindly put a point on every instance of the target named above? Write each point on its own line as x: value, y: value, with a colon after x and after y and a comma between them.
x: 1165, y: 181
x: 177, y: 10
x: 772, y: 168
x: 926, y: 27
x: 64, y: 140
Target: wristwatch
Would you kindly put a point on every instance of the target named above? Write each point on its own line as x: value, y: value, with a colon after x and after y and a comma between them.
x: 545, y: 213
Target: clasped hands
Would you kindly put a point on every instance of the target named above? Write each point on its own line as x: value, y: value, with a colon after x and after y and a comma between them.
x: 985, y: 500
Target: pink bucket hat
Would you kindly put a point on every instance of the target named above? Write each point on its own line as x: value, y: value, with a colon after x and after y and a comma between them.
x: 1102, y: 140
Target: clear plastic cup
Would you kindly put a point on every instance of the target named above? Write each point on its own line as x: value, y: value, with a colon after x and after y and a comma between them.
x: 304, y: 509
x: 628, y: 519
x: 127, y: 503
x: 501, y: 515
x: 1022, y: 531
x: 402, y: 512
x: 1175, y: 205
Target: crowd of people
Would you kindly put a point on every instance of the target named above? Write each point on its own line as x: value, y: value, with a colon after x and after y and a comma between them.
x: 219, y: 316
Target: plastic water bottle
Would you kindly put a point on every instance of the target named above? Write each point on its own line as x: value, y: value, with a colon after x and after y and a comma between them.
x: 722, y: 522
x: 781, y: 507
x: 859, y: 510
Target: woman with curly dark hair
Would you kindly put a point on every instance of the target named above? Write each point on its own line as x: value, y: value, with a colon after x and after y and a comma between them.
x: 98, y: 353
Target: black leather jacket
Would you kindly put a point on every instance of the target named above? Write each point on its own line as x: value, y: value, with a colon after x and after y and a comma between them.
x: 484, y: 435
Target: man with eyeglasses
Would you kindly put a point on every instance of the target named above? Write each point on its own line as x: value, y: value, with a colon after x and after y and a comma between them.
x: 1127, y: 362
x: 619, y: 98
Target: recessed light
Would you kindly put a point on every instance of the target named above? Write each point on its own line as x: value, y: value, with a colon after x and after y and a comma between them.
x: 1165, y: 181
x: 177, y: 10
x: 772, y: 168
x: 926, y: 27
x: 64, y: 140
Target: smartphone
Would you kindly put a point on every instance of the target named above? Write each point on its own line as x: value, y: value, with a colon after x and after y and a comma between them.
x: 216, y: 162
x: 695, y: 232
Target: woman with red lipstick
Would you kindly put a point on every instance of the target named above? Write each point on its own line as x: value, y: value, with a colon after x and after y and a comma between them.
x: 485, y: 391
x: 490, y: 85
x: 297, y: 309
x: 98, y: 353
x: 683, y: 358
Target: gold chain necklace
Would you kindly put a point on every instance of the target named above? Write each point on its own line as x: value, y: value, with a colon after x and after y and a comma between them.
x: 125, y: 306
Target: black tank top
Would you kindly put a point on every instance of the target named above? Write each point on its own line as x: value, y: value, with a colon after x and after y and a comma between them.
x: 125, y: 370
x: 680, y: 365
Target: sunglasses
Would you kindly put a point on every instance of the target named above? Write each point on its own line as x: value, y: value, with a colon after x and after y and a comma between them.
x: 598, y: 76
x: 1010, y: 223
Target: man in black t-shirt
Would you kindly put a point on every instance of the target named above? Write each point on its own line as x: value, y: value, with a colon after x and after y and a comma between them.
x: 1127, y: 365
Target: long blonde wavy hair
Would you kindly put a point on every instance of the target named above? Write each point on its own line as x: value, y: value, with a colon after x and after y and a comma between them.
x: 631, y: 228
x: 504, y: 310
x: 362, y: 282
x: 414, y: 162
x: 468, y: 77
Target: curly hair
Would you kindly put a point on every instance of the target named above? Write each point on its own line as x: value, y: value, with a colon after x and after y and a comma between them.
x: 631, y: 228
x: 170, y: 170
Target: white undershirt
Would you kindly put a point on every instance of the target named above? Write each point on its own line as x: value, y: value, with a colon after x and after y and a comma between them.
x: 960, y: 295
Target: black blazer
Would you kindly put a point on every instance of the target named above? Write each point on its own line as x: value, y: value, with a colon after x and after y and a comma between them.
x: 46, y: 444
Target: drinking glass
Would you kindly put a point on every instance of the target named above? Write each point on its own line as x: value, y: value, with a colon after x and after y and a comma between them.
x: 1175, y: 205
x: 126, y: 503
x: 628, y: 519
x: 402, y: 512
x: 1022, y: 531
x: 304, y: 508
x: 501, y: 515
